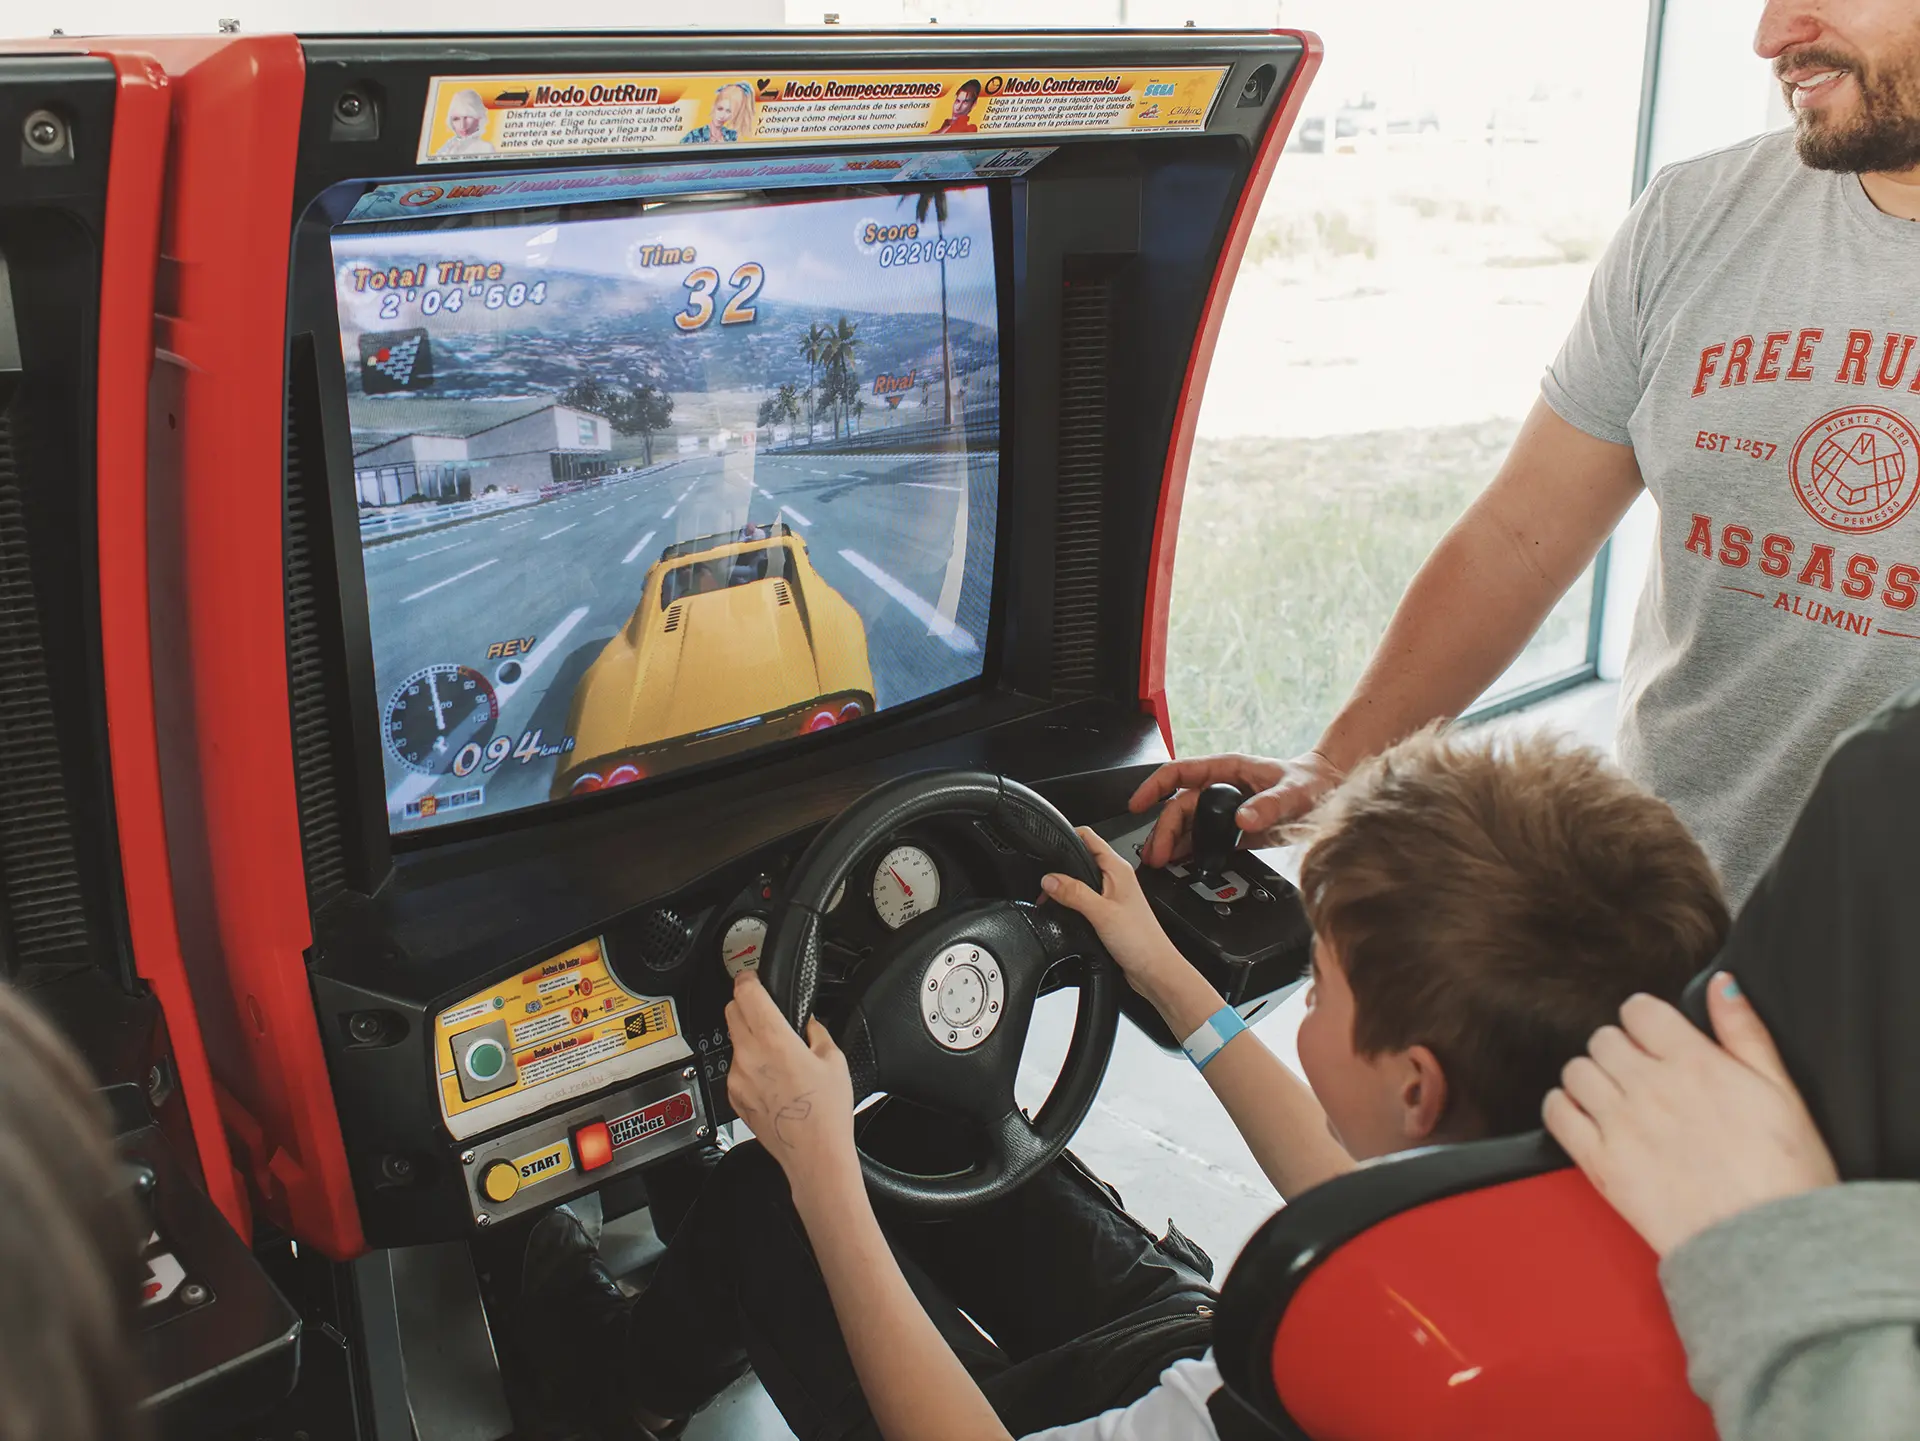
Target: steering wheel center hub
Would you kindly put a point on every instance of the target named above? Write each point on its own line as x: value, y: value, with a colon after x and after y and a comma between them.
x: 963, y: 995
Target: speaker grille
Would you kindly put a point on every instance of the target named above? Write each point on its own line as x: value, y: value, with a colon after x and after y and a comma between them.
x: 39, y: 864
x: 1085, y: 327
x: 316, y: 777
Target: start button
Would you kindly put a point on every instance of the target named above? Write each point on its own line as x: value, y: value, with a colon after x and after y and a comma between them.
x: 499, y: 1182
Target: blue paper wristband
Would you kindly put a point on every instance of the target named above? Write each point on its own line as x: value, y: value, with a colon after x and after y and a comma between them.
x: 1212, y: 1036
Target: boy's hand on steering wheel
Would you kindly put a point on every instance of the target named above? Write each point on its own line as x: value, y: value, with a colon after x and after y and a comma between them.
x: 1123, y: 919
x: 1282, y: 792
x: 794, y: 1094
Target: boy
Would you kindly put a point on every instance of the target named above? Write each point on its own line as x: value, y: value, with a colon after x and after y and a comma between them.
x: 1481, y: 906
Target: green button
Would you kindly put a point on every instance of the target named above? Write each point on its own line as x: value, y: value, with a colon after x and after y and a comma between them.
x: 485, y: 1060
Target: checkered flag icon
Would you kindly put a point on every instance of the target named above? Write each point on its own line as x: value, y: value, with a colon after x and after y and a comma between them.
x: 398, y: 364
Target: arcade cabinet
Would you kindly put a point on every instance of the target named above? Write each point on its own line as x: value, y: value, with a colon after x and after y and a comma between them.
x: 86, y: 907
x: 600, y: 462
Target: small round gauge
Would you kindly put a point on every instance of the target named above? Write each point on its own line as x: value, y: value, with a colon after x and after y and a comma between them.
x: 906, y: 884
x: 740, y: 947
x: 437, y: 713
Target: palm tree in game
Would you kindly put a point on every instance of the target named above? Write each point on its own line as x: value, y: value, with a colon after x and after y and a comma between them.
x: 934, y: 202
x: 813, y: 345
x: 838, y: 356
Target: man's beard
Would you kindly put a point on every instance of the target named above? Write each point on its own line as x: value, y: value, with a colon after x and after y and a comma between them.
x: 1883, y: 134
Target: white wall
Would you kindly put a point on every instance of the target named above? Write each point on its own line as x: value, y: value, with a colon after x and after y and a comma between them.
x: 1712, y: 90
x: 314, y: 17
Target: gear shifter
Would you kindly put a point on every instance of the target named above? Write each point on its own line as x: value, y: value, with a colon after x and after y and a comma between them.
x: 1216, y: 834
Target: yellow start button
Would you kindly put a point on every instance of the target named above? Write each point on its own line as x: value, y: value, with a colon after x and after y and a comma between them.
x: 499, y: 1181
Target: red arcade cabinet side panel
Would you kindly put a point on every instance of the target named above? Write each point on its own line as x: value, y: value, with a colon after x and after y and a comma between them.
x: 135, y: 186
x: 1166, y: 526
x: 217, y: 453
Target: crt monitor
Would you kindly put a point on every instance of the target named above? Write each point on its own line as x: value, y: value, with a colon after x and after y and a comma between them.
x: 645, y: 484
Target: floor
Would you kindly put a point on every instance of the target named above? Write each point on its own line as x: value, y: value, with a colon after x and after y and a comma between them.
x: 1156, y: 1132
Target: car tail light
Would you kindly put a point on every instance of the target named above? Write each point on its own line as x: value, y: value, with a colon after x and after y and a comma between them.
x: 821, y: 720
x: 624, y: 775
x: 588, y: 781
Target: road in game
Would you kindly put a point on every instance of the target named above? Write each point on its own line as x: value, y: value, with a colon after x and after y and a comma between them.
x: 549, y: 583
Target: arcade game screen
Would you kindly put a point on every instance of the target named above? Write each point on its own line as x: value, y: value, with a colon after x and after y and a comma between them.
x: 654, y: 484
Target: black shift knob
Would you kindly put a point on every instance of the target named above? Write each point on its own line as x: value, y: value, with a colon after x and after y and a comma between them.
x: 1216, y: 834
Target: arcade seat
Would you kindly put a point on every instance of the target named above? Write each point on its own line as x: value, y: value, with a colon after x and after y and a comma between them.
x: 87, y: 928
x: 1486, y: 1291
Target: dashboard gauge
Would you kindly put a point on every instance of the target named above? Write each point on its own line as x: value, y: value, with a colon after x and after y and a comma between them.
x: 437, y: 714
x: 905, y: 884
x: 740, y: 947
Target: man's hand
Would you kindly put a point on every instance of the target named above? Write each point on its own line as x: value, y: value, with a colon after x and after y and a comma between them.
x: 1124, y: 921
x: 795, y: 1094
x: 1283, y: 791
x: 1679, y: 1133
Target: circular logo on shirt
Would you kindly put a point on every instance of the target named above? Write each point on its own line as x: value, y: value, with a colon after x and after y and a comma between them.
x: 1857, y: 469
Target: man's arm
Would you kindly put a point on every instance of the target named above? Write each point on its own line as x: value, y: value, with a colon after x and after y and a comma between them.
x: 1468, y: 612
x: 1275, y: 1113
x: 797, y: 1098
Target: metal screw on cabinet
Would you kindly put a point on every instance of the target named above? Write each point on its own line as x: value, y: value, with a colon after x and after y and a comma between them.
x: 1223, y: 908
x: 687, y: 1074
x: 466, y: 1158
x: 45, y: 132
x: 350, y: 106
x: 193, y: 1294
x: 1260, y: 895
x: 365, y: 1027
x: 483, y: 1219
x: 703, y: 1133
x: 156, y: 1083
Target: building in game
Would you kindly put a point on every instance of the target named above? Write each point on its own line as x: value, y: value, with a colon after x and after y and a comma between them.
x: 453, y: 451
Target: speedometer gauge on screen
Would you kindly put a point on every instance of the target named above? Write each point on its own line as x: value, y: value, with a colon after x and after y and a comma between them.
x: 647, y: 485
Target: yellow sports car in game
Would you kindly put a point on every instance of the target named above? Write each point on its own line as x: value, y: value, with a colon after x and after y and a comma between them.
x: 736, y: 641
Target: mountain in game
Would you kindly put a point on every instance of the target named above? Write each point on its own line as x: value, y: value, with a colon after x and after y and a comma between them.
x: 594, y: 327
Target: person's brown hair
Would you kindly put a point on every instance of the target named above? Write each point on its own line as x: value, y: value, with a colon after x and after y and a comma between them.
x: 1495, y: 898
x: 69, y: 1247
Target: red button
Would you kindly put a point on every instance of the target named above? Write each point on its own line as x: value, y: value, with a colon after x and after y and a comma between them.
x: 592, y: 1146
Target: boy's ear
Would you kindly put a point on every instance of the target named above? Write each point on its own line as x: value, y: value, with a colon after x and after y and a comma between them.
x: 1423, y: 1096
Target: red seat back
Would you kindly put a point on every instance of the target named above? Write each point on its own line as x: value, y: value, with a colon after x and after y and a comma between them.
x: 1467, y: 1293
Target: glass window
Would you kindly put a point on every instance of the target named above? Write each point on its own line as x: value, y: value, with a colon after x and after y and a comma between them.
x: 1421, y: 253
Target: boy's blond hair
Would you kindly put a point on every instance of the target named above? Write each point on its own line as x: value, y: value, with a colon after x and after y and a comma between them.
x: 1495, y: 898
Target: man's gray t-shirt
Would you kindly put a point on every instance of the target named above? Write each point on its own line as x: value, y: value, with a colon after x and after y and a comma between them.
x: 1754, y: 333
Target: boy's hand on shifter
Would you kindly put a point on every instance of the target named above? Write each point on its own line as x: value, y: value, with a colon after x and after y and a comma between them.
x: 1120, y: 914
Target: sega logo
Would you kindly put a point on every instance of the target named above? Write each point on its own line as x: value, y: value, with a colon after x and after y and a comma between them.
x: 1160, y: 87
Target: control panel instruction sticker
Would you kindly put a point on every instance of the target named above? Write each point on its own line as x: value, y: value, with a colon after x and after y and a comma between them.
x: 473, y: 119
x: 554, y: 1031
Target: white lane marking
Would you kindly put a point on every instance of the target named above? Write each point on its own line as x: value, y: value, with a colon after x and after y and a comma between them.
x: 684, y: 494
x: 437, y: 585
x: 416, y: 784
x: 638, y: 546
x: 668, y: 513
x: 789, y: 510
x: 937, y: 624
x: 436, y: 551
x: 516, y: 525
x: 929, y: 485
x: 562, y: 531
x: 604, y: 509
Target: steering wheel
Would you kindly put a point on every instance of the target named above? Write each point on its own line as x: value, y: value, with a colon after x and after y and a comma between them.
x: 947, y: 1002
